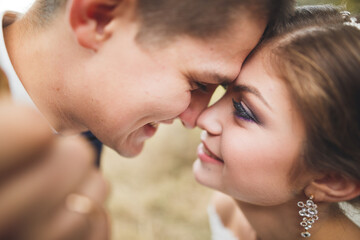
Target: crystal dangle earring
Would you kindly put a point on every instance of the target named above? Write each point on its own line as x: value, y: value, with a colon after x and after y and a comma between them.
x: 309, y: 215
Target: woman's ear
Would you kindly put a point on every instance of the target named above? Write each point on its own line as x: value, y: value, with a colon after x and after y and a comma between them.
x: 333, y: 188
x: 89, y: 20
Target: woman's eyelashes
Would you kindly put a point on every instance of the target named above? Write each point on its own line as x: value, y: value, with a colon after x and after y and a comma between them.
x: 243, y: 112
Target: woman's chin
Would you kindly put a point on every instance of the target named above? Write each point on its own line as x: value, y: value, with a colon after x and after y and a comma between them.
x: 204, y: 175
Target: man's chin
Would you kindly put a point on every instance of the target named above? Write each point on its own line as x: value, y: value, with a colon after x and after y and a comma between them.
x: 130, y: 151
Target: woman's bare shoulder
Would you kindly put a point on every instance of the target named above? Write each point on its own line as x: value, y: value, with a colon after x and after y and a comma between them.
x: 232, y: 216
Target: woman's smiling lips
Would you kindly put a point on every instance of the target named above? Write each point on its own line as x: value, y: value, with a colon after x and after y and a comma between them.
x: 205, y: 155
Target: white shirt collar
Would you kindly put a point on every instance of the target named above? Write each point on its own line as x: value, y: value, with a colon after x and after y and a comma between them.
x: 17, y: 89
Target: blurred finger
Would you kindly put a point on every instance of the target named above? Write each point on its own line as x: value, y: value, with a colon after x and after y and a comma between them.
x: 80, y: 219
x: 45, y: 185
x: 65, y: 225
x: 23, y: 135
x: 95, y: 187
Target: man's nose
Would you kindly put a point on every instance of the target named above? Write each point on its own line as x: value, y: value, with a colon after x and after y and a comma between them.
x: 189, y: 117
x: 199, y: 102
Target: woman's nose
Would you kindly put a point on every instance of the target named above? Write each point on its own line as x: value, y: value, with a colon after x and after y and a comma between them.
x: 209, y: 120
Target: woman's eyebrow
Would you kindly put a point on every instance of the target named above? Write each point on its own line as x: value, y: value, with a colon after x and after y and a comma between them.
x: 246, y: 88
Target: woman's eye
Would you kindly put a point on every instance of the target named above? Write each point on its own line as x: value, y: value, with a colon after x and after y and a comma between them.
x: 202, y: 87
x: 243, y: 112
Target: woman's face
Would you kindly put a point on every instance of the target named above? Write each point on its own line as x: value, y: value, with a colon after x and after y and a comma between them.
x: 252, y: 138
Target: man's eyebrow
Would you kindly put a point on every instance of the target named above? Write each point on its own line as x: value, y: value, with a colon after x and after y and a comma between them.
x: 250, y: 89
x: 210, y: 77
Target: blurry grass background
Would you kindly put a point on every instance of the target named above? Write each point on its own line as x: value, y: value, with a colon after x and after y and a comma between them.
x: 154, y: 196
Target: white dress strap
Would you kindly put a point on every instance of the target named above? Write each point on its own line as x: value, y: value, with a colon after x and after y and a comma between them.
x: 218, y: 230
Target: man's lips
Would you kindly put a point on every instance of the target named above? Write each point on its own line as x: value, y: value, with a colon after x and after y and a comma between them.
x: 153, y: 124
x: 150, y: 129
x: 156, y: 124
x: 207, y: 156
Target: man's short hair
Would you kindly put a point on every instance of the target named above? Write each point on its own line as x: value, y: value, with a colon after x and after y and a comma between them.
x: 195, y: 18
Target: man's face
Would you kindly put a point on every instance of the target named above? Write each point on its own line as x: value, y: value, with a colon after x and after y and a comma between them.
x: 128, y: 89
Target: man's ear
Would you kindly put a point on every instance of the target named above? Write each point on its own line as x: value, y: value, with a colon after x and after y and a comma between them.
x: 89, y: 19
x: 333, y: 188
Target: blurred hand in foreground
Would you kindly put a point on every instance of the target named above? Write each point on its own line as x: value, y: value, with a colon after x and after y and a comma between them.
x: 49, y: 186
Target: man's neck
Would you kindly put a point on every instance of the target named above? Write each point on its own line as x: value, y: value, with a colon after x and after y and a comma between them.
x: 32, y: 52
